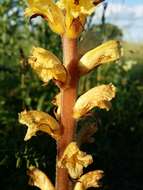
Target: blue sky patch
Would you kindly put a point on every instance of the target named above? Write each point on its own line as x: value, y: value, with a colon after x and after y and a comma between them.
x: 127, y: 14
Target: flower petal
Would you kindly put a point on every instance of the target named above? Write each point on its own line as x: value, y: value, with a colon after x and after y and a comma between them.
x: 47, y: 65
x: 39, y: 121
x: 49, y: 11
x: 39, y: 179
x: 74, y: 160
x: 90, y: 179
x: 107, y: 52
x: 96, y: 97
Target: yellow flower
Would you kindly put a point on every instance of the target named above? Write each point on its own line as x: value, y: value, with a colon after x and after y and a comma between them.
x: 47, y: 65
x: 107, y: 52
x: 67, y: 17
x: 74, y: 160
x: 76, y: 12
x: 39, y: 121
x: 49, y: 11
x: 99, y: 96
x: 39, y: 179
x: 90, y: 179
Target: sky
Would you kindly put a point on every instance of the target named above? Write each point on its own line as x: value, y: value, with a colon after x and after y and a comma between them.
x: 127, y: 14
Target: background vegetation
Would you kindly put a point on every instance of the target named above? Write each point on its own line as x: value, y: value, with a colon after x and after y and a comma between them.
x: 118, y: 142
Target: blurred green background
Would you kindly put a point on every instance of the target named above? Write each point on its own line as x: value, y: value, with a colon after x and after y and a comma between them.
x: 118, y: 144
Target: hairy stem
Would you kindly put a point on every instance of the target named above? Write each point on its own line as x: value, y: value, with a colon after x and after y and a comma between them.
x: 70, y: 57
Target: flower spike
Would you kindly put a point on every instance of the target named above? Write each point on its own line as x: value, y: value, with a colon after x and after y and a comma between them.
x: 74, y: 160
x: 107, y: 52
x: 49, y: 11
x: 39, y: 179
x: 90, y: 179
x: 39, y: 121
x: 47, y: 66
x: 99, y: 96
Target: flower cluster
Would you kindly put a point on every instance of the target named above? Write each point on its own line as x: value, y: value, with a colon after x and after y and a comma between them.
x: 67, y: 18
x: 48, y: 66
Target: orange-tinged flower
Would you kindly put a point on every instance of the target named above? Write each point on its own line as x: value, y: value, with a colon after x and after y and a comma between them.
x: 105, y: 53
x: 99, y: 96
x: 90, y: 179
x: 39, y: 121
x: 47, y: 65
x: 74, y: 160
x: 49, y: 11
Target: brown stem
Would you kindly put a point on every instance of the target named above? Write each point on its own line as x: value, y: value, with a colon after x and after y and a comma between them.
x: 70, y: 53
